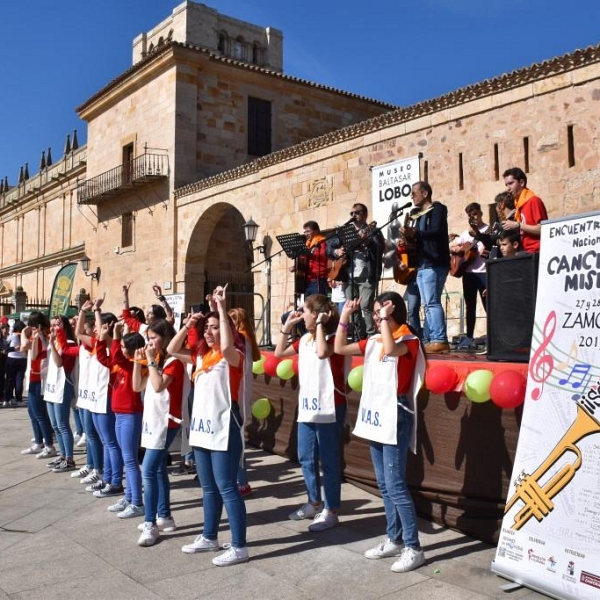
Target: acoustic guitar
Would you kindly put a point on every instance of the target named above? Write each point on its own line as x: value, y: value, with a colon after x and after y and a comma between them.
x: 407, y: 255
x: 334, y: 266
x: 461, y: 259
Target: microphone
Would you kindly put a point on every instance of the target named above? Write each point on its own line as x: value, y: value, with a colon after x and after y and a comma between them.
x: 402, y: 208
x: 350, y: 220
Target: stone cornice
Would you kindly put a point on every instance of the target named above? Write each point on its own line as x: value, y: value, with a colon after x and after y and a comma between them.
x: 503, y: 83
x: 48, y: 260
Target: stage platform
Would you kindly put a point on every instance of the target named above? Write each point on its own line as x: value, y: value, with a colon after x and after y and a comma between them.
x: 460, y: 474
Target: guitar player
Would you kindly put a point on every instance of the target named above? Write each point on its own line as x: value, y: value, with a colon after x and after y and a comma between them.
x: 310, y: 268
x: 474, y: 278
x: 362, y: 269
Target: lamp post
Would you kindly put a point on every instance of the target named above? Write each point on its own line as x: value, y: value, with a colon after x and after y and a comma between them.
x: 250, y: 230
x: 85, y: 265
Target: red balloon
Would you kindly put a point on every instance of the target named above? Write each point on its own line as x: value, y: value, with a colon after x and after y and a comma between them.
x: 440, y: 379
x: 507, y: 389
x: 295, y: 364
x: 271, y: 365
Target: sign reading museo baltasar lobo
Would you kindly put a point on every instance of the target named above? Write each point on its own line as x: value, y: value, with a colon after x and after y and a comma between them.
x: 550, y: 536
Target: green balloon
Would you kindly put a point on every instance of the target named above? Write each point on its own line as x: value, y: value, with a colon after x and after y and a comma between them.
x: 355, y: 378
x: 285, y: 369
x: 261, y: 408
x: 477, y: 385
x: 258, y: 366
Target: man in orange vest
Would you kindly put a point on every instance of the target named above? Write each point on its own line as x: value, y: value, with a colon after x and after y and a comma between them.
x: 529, y: 210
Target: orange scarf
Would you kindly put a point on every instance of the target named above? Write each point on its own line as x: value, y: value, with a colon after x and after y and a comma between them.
x: 317, y: 238
x: 397, y: 333
x: 524, y: 197
x: 209, y: 361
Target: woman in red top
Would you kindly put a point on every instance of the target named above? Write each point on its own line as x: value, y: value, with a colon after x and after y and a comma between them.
x: 127, y: 406
x: 393, y: 367
x: 163, y: 386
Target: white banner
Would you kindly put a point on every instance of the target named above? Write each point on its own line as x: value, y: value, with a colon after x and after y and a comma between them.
x: 176, y: 302
x: 391, y: 189
x: 550, y: 536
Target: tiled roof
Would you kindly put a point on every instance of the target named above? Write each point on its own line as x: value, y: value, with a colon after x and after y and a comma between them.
x: 514, y: 79
x: 121, y: 79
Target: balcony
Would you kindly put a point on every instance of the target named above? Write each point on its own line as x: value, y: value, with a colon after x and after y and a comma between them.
x: 141, y: 170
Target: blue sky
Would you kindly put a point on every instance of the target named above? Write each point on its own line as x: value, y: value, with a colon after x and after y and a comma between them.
x: 55, y: 55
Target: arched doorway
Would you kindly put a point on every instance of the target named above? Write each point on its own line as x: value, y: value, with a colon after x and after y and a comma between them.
x: 218, y: 254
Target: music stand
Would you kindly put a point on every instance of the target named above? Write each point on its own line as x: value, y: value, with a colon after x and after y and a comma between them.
x: 348, y: 235
x: 293, y: 244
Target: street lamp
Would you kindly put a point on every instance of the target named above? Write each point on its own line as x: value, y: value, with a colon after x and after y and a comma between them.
x: 250, y: 230
x: 85, y: 265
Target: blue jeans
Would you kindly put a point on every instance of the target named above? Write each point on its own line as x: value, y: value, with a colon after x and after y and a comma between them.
x: 37, y: 408
x: 389, y: 463
x: 321, y: 442
x: 113, y: 459
x: 319, y: 286
x: 59, y: 417
x: 217, y: 471
x: 157, y: 490
x: 431, y: 282
x: 129, y: 430
x: 78, y: 421
x: 412, y: 298
x: 93, y: 445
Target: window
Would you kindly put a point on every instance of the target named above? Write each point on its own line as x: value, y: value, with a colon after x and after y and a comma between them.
x: 259, y: 126
x: 496, y: 163
x: 571, y: 145
x: 127, y: 162
x: 221, y: 44
x: 461, y: 174
x: 238, y: 50
x: 255, y: 54
x: 126, y: 230
x: 526, y: 154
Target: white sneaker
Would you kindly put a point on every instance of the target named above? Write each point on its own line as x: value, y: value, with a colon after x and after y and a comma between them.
x: 306, y: 511
x: 82, y: 441
x: 149, y: 535
x: 47, y: 452
x: 93, y: 476
x: 324, y: 520
x: 166, y: 524
x: 131, y: 511
x: 231, y: 556
x: 119, y: 506
x: 77, y: 437
x: 385, y: 549
x: 201, y: 544
x: 409, y: 560
x: 83, y: 472
x: 33, y: 449
x: 95, y: 486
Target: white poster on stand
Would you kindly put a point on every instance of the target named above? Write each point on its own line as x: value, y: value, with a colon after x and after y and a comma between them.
x: 550, y: 535
x: 391, y: 190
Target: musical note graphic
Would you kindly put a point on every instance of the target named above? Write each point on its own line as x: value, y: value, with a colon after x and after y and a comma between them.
x: 542, y: 363
x: 571, y: 356
x: 581, y: 373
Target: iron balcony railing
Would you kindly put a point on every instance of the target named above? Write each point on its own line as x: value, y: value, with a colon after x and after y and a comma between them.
x: 143, y: 169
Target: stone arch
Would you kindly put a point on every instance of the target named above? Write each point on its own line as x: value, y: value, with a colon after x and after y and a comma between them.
x: 216, y: 254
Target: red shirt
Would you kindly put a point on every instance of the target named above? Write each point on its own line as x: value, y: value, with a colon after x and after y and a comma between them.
x: 35, y: 373
x: 123, y: 398
x: 69, y: 351
x: 176, y: 370
x: 337, y: 364
x: 533, y: 212
x: 406, y: 364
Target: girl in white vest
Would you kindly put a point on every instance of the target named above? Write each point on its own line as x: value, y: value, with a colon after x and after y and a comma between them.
x: 216, y: 427
x: 59, y: 390
x: 164, y: 383
x: 394, y: 366
x: 321, y: 407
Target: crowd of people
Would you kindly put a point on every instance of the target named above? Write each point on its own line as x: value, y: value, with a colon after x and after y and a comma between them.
x: 137, y: 382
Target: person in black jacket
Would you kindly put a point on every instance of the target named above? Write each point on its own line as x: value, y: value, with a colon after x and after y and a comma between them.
x: 430, y: 232
x: 362, y: 267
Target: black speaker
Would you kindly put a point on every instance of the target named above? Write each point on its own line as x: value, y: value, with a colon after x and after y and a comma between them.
x: 511, y: 293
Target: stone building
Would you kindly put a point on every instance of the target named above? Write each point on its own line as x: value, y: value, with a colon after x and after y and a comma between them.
x: 172, y: 171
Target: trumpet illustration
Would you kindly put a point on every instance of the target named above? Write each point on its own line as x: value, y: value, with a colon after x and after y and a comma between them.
x: 538, y: 498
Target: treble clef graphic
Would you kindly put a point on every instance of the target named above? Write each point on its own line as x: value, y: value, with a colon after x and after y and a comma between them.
x: 542, y: 363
